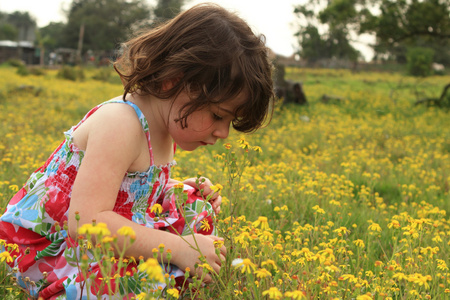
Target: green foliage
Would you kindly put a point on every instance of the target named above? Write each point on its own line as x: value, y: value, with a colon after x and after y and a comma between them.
x: 419, y: 61
x: 71, y: 73
x: 23, y: 70
x: 14, y: 62
x: 8, y: 32
x: 335, y: 42
x: 397, y: 26
x: 102, y: 74
x: 167, y: 9
x: 105, y: 22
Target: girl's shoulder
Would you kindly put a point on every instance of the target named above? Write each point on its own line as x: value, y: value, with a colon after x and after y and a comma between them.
x: 114, y: 124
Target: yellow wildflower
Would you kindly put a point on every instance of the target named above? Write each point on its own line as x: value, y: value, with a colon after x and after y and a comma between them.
x: 153, y: 269
x: 173, y: 293
x: 273, y: 293
x: 156, y: 208
x: 217, y: 188
x: 127, y: 231
x: 375, y: 227
x: 262, y: 221
x: 359, y: 243
x: 6, y: 256
x: 296, y: 295
x: 318, y: 209
x: 262, y: 273
x: 257, y: 149
x: 364, y: 297
x: 247, y: 266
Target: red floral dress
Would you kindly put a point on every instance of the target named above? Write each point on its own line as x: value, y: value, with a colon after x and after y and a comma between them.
x: 43, y: 202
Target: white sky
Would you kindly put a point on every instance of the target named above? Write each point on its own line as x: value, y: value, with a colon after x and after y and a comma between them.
x: 273, y: 18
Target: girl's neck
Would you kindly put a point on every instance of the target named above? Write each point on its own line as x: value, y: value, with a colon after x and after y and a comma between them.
x: 156, y: 113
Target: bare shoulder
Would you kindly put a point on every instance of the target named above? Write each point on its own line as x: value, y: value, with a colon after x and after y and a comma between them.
x: 114, y: 125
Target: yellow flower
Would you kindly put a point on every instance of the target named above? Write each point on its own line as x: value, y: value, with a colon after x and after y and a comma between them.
x: 273, y: 293
x: 318, y: 209
x: 399, y: 276
x: 141, y: 296
x: 359, y: 243
x: 179, y: 185
x: 247, y: 266
x: 218, y: 243
x: 153, y: 269
x: 207, y: 267
x: 97, y: 229
x: 261, y: 221
x: 269, y: 262
x: 257, y: 149
x: 173, y: 293
x: 217, y: 188
x: 127, y: 231
x: 6, y: 256
x: 296, y: 295
x: 262, y: 273
x: 107, y: 239
x: 14, y: 188
x: 364, y: 297
x: 227, y: 146
x: 375, y: 227
x: 156, y: 208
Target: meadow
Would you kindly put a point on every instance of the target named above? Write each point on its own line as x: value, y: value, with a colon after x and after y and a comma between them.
x: 341, y: 200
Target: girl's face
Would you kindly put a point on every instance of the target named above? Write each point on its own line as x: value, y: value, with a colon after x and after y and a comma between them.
x: 204, y: 126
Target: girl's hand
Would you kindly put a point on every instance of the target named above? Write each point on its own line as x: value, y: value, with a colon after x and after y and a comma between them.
x: 187, y: 257
x: 205, y: 185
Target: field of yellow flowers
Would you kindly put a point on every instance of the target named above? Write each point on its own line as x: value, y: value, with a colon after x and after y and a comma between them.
x: 341, y: 200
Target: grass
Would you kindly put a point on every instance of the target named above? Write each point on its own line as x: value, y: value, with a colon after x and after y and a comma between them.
x: 347, y: 200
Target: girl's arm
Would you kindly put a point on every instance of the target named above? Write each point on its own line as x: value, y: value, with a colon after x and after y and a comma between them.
x: 115, y: 144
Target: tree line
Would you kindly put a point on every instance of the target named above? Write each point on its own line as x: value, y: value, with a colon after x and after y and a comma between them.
x: 402, y: 28
x: 327, y: 28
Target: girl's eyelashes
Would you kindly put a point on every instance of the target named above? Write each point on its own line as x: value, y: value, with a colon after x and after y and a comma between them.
x: 217, y: 117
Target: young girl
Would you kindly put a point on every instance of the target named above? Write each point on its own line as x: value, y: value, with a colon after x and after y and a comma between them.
x: 185, y: 82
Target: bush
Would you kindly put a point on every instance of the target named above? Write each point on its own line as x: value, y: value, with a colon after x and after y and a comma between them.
x: 419, y: 61
x: 23, y: 70
x: 71, y: 73
x: 103, y: 74
x: 13, y: 62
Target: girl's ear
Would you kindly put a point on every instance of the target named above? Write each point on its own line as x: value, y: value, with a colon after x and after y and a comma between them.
x: 168, y: 84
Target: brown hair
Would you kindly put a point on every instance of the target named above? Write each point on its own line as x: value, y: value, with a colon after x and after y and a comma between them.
x: 208, y: 52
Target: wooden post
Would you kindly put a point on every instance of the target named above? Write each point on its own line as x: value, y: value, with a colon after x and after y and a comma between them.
x: 80, y: 43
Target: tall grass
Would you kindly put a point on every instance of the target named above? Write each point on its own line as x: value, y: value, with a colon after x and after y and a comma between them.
x: 347, y: 199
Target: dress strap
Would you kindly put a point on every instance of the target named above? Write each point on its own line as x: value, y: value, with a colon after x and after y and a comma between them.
x: 139, y: 113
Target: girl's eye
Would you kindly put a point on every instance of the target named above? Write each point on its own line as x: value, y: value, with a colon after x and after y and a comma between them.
x: 217, y: 117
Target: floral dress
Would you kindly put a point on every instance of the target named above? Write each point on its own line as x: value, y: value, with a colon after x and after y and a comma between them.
x: 34, y: 213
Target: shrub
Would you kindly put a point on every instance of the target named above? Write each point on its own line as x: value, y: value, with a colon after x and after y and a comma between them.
x: 23, y: 70
x: 13, y: 62
x: 419, y: 61
x: 71, y: 73
x: 103, y: 74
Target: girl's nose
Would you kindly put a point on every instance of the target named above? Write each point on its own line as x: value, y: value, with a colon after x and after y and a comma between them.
x: 222, y: 130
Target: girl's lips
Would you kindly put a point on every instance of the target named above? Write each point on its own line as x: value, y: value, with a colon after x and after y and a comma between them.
x: 204, y: 144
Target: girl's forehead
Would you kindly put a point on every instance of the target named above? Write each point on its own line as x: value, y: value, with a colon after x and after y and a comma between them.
x: 234, y: 103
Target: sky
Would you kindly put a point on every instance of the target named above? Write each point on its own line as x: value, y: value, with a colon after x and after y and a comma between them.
x: 273, y: 18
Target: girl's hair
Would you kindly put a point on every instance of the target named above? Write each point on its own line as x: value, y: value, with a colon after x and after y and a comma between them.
x: 207, y: 52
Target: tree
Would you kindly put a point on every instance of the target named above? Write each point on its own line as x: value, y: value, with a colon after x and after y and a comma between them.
x: 52, y: 35
x: 397, y: 25
x: 105, y: 22
x: 24, y: 23
x: 167, y: 9
x: 335, y: 20
x: 410, y: 23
